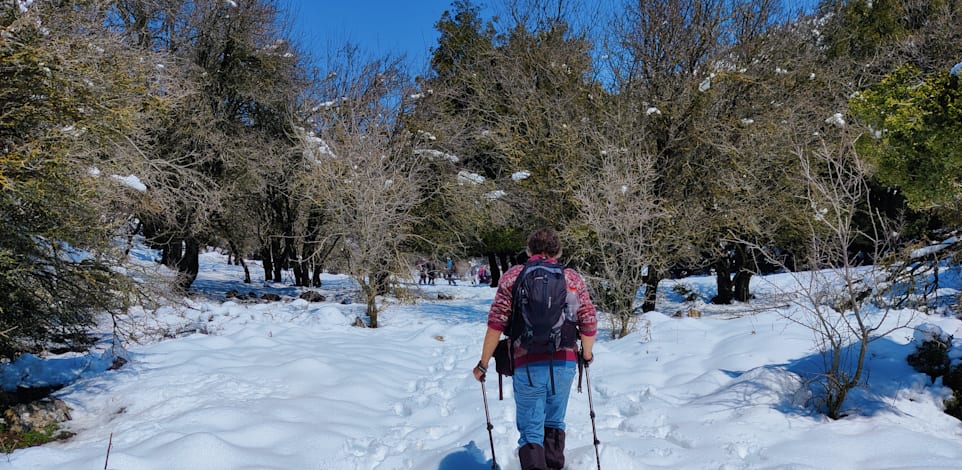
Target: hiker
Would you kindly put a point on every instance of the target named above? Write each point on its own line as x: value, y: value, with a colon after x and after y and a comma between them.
x: 541, y: 381
x: 451, y: 272
x: 422, y: 266
x: 484, y: 275
x: 432, y: 272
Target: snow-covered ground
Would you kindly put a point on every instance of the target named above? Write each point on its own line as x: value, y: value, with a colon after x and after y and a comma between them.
x: 291, y: 385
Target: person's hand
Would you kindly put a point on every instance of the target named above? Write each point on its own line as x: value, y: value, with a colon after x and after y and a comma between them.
x: 586, y: 357
x: 479, y: 372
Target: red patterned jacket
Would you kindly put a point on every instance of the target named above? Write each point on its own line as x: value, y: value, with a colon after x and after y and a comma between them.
x: 500, y: 313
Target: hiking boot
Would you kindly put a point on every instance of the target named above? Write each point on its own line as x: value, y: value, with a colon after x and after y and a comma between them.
x: 554, y: 448
x: 532, y: 457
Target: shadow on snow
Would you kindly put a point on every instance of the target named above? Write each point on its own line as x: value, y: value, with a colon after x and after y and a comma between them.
x: 886, y: 373
x: 469, y: 458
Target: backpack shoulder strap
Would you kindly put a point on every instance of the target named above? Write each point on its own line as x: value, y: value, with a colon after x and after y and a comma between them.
x: 516, y: 323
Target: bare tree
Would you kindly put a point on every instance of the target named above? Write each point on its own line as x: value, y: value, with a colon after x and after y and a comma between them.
x: 369, y: 181
x: 621, y: 215
x: 844, y: 304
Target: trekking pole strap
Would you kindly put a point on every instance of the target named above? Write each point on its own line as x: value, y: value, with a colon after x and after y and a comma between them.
x: 500, y: 387
x: 551, y: 373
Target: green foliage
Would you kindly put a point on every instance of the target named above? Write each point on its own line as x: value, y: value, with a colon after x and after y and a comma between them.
x: 504, y: 240
x: 62, y: 105
x: 221, y: 152
x: 953, y: 405
x: 503, y: 103
x: 11, y: 440
x: 915, y: 121
x: 953, y: 380
x: 463, y: 38
x: 445, y: 121
x: 547, y: 78
x: 859, y: 28
x: 932, y: 358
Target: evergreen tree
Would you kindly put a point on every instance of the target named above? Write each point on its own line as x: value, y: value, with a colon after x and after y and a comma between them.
x: 915, y: 121
x: 688, y: 81
x: 514, y: 108
x: 448, y: 128
x: 860, y: 29
x: 66, y: 112
x: 227, y: 127
x: 882, y: 51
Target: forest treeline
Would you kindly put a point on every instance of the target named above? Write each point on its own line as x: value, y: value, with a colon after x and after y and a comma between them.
x: 661, y: 137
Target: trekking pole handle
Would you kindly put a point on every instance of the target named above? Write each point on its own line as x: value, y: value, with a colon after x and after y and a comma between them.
x: 483, y: 372
x: 581, y: 358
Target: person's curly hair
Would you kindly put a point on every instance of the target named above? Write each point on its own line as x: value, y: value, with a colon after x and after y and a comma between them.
x: 544, y: 241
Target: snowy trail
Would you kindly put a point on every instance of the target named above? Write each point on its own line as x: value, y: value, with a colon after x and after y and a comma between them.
x: 290, y: 385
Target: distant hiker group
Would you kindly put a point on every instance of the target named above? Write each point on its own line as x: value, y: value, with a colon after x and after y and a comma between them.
x: 428, y: 271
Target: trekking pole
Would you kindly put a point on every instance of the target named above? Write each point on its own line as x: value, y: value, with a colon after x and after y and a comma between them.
x: 484, y: 393
x: 591, y: 408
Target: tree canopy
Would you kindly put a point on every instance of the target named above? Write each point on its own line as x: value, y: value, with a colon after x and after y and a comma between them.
x: 668, y: 137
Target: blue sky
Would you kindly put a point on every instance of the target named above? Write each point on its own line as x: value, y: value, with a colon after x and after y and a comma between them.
x: 381, y: 26
x: 378, y: 26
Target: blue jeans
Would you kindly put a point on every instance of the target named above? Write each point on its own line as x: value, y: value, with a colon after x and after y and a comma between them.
x: 535, y: 406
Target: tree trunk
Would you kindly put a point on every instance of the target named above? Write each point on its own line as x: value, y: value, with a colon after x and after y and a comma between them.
x: 278, y: 258
x: 303, y: 274
x: 371, y: 304
x: 505, y: 259
x: 723, y: 282
x: 307, y: 264
x: 743, y: 275
x: 521, y: 257
x: 171, y: 253
x: 240, y: 260
x: 130, y: 237
x: 189, y: 264
x: 268, y: 263
x: 494, y: 268
x: 651, y: 279
x: 380, y: 283
x: 624, y: 328
x: 318, y: 257
x: 742, y: 280
x: 316, y: 277
x: 302, y: 277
